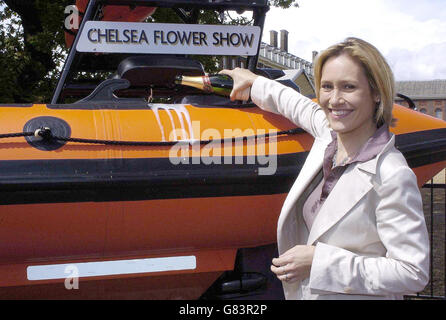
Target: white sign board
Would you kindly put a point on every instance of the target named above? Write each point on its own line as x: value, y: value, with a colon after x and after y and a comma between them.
x: 167, y: 38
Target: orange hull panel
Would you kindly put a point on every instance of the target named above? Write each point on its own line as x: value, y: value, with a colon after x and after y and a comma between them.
x: 72, y: 232
x: 142, y: 125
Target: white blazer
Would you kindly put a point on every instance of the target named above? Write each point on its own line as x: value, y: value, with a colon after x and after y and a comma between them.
x: 370, y: 236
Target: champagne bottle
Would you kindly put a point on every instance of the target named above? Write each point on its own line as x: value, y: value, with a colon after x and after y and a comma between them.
x: 216, y: 83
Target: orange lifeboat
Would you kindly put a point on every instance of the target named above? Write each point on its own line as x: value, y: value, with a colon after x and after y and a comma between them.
x: 138, y: 199
x: 85, y: 203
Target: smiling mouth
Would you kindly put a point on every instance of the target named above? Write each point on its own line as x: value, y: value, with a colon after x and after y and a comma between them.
x: 340, y: 113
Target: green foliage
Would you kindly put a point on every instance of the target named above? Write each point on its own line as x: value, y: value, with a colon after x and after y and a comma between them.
x: 32, y: 45
x: 283, y: 3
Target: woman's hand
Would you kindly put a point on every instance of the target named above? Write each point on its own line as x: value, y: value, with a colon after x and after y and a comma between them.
x: 294, y: 264
x: 243, y: 80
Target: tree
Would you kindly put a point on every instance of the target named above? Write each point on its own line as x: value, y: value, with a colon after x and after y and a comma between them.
x: 32, y: 47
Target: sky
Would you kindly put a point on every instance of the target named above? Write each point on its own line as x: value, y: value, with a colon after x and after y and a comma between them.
x: 410, y: 34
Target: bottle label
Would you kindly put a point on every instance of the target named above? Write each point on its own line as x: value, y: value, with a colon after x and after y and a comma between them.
x: 207, y: 86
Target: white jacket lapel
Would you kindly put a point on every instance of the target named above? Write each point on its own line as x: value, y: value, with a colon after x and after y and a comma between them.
x: 286, y: 229
x: 349, y: 190
x: 311, y: 167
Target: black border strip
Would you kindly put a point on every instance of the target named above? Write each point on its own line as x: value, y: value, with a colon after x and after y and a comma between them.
x: 54, y: 181
x: 422, y: 147
x: 101, y: 180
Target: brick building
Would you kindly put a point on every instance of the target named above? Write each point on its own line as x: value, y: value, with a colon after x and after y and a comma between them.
x: 428, y: 96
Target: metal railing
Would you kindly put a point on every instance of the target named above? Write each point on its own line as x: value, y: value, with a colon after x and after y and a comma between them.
x: 434, y: 204
x: 284, y: 58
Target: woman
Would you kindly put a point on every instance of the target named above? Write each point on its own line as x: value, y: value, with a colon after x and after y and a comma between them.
x: 352, y: 225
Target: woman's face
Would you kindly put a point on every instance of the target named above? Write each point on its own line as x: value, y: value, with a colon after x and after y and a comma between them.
x: 346, y: 97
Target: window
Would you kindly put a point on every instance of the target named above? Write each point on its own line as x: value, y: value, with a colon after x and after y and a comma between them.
x: 423, y: 110
x: 438, y: 113
x: 298, y: 64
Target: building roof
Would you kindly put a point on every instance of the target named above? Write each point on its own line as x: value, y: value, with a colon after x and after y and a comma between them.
x: 281, y: 59
x: 435, y: 89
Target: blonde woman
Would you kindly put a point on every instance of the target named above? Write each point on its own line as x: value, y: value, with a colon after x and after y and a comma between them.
x: 352, y: 225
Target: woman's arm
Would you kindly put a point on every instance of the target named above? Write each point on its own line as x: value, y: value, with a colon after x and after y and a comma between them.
x: 274, y: 97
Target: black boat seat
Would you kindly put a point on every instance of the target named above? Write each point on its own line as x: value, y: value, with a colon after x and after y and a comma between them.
x: 156, y: 70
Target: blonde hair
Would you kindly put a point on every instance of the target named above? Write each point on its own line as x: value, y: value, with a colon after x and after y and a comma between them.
x: 376, y: 69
